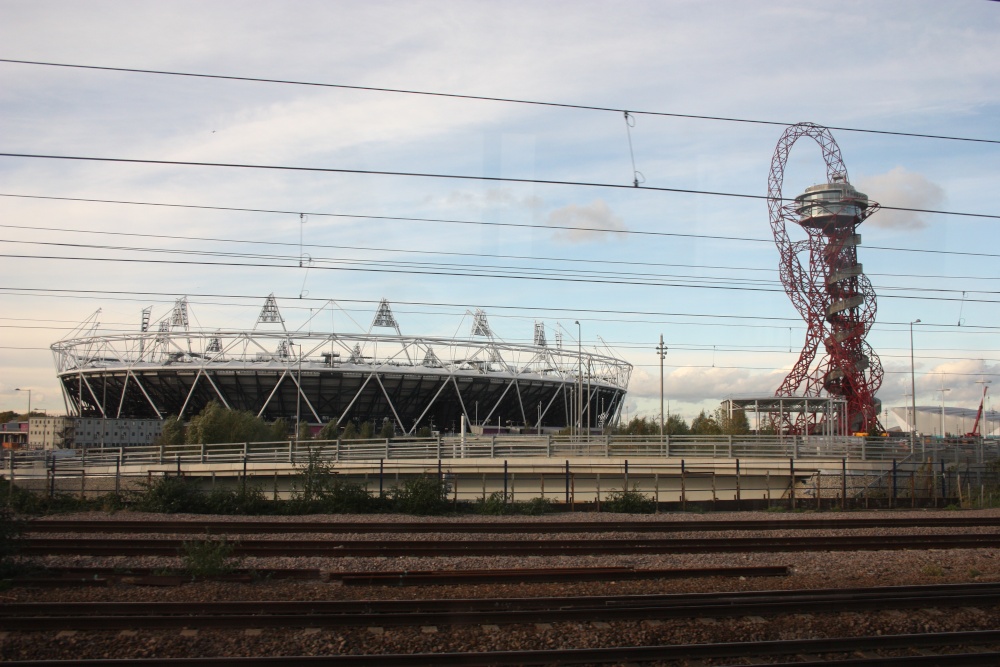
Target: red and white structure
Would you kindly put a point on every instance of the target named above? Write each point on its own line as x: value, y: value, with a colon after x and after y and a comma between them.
x: 817, y: 236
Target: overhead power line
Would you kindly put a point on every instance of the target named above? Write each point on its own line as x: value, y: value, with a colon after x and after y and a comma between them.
x: 462, y: 177
x: 710, y: 237
x: 479, y: 269
x: 170, y: 297
x: 447, y: 253
x: 449, y: 270
x: 482, y: 98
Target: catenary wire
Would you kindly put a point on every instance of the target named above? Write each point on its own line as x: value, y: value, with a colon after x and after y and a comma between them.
x: 457, y: 222
x: 481, y: 98
x: 227, y: 299
x: 445, y: 253
x: 533, y: 272
x: 460, y: 177
x: 446, y: 272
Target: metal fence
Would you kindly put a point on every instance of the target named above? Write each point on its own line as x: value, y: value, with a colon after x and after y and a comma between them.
x: 560, y: 447
x: 716, y: 473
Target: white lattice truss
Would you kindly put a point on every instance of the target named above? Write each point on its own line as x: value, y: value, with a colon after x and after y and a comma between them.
x: 412, y: 381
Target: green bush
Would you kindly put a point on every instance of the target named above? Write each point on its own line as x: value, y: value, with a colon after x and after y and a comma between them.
x: 10, y: 533
x: 28, y: 503
x: 208, y: 557
x: 170, y: 495
x: 495, y: 505
x: 237, y: 500
x: 534, y: 507
x: 628, y: 501
x: 422, y: 496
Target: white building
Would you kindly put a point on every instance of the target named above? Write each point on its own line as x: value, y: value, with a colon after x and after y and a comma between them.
x: 955, y: 421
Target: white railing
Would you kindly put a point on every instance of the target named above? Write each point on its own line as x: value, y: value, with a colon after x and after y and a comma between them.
x: 504, y: 447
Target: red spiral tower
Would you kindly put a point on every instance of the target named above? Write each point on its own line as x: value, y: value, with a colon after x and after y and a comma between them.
x: 824, y: 280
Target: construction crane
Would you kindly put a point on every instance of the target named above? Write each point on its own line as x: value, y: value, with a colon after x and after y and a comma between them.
x: 974, y: 433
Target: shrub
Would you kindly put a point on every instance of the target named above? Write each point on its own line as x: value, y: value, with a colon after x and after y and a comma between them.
x: 495, y: 505
x: 169, y: 495
x: 422, y: 495
x: 10, y: 533
x: 628, y: 502
x: 240, y: 500
x: 932, y: 570
x: 535, y: 507
x: 208, y: 557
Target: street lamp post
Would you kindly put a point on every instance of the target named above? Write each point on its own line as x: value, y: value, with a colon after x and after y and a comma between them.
x: 982, y: 416
x: 913, y: 390
x: 661, y: 351
x: 943, y: 390
x: 29, y: 400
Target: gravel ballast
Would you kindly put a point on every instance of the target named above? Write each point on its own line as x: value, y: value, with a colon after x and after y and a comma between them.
x: 808, y: 570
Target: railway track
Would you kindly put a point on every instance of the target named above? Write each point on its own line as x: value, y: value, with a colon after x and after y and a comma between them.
x: 38, y: 616
x: 199, y: 526
x: 965, y: 649
x: 36, y: 546
x: 98, y: 576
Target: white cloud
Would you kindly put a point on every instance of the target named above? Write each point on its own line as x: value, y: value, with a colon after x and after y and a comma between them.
x: 903, y: 189
x: 595, y: 220
x: 494, y: 198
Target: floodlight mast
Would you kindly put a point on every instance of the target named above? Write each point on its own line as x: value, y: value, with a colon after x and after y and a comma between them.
x: 824, y: 280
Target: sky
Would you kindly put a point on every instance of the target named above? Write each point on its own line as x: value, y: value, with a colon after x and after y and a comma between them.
x: 666, y: 257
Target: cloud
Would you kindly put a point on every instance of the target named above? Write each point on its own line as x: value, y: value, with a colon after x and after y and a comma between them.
x: 901, y: 188
x: 494, y: 198
x: 596, y: 220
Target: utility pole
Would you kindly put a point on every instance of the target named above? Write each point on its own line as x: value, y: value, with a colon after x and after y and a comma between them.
x: 913, y: 388
x: 943, y: 389
x: 579, y: 377
x: 298, y: 398
x: 661, y: 351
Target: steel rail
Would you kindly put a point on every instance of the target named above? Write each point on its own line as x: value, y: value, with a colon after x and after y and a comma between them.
x: 449, y: 612
x: 987, y: 639
x: 546, y: 575
x: 432, y: 548
x: 337, y: 527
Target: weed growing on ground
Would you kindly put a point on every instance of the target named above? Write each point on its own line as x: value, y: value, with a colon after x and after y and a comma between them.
x: 209, y: 557
x: 628, y: 501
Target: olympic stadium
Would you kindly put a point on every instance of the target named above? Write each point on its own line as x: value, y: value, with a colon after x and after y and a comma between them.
x: 169, y: 368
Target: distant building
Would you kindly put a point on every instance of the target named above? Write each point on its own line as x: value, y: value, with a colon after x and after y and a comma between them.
x: 88, y: 433
x: 14, y: 435
x: 50, y: 432
x: 956, y: 421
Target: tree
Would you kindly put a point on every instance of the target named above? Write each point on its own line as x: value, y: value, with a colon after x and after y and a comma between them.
x: 172, y: 433
x: 330, y: 431
x: 7, y: 416
x: 219, y: 424
x: 705, y: 425
x: 676, y: 426
x: 738, y: 424
x: 279, y: 430
x: 641, y: 426
x: 305, y: 432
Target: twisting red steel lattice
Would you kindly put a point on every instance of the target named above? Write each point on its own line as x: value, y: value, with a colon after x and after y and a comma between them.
x: 823, y: 278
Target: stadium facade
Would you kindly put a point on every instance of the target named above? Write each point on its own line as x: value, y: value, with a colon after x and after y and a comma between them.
x: 169, y: 368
